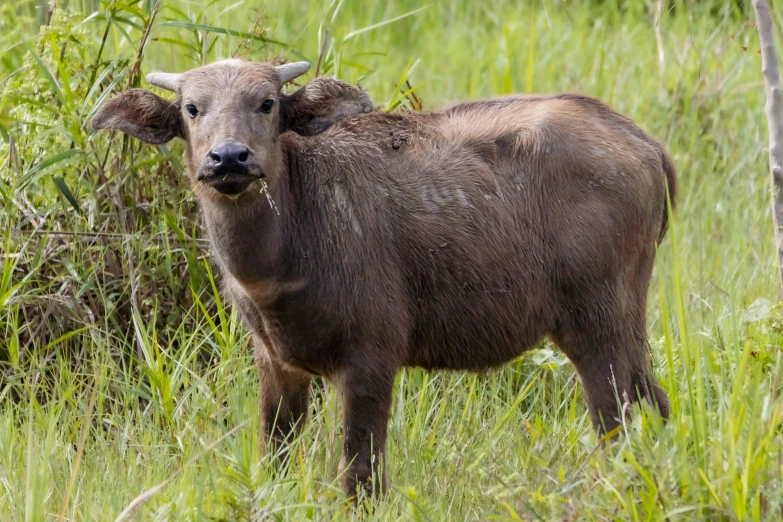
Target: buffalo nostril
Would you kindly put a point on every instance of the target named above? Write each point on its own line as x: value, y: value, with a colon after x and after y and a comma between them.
x: 214, y: 156
x: 243, y: 156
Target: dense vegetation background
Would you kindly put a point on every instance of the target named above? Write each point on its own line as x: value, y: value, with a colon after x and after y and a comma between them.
x: 122, y: 368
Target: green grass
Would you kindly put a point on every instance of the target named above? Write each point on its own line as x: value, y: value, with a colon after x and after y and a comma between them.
x: 122, y: 368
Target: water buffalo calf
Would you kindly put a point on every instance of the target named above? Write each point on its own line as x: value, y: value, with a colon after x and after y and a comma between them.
x: 454, y: 238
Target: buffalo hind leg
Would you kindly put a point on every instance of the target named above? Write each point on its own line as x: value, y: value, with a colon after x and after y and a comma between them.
x: 611, y: 356
x: 285, y: 395
x: 365, y: 389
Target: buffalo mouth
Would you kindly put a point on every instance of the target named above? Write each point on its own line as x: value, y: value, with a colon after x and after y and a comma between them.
x: 229, y: 183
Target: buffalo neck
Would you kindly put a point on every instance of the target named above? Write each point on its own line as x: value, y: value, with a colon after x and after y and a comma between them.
x: 246, y: 232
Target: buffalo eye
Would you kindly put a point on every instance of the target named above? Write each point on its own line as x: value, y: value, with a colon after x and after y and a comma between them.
x: 192, y: 110
x: 266, y: 107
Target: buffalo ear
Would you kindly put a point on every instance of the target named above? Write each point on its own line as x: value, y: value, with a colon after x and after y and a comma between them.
x: 314, y: 126
x: 320, y: 104
x: 141, y: 114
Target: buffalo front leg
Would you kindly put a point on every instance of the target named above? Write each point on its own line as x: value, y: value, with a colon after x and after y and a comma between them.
x: 285, y: 395
x: 366, y: 392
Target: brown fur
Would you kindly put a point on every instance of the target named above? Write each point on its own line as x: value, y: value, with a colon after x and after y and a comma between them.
x: 453, y: 239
